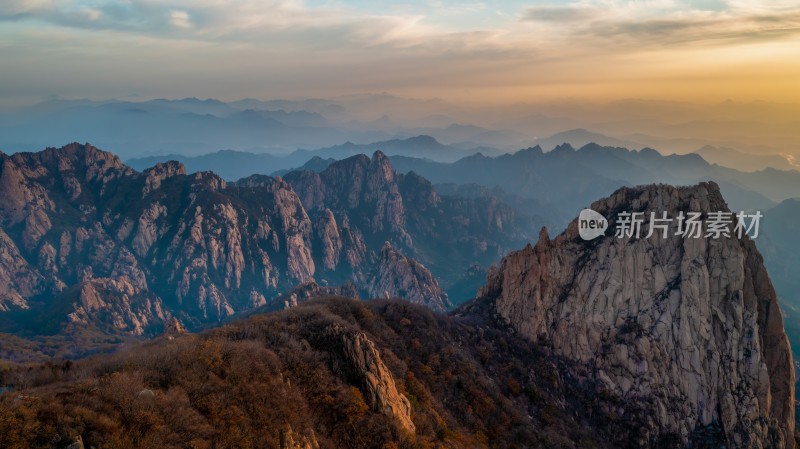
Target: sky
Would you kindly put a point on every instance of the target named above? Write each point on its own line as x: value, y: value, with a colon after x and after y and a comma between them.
x: 474, y: 52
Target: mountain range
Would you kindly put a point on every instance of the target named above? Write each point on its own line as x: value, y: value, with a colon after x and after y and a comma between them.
x: 233, y: 165
x: 552, y: 186
x: 89, y: 243
x: 136, y: 127
x: 564, y: 179
x: 568, y: 178
x: 192, y: 126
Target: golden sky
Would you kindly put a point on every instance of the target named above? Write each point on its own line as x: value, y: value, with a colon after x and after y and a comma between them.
x: 477, y: 53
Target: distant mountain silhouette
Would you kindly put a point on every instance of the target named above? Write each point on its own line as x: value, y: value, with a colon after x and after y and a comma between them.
x: 580, y: 137
x: 568, y: 178
x: 728, y: 157
x: 233, y: 165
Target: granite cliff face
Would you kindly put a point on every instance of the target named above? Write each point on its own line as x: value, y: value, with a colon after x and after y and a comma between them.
x: 370, y: 204
x: 87, y: 241
x: 683, y: 335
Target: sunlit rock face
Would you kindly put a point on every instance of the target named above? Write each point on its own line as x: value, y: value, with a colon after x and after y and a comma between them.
x: 683, y: 334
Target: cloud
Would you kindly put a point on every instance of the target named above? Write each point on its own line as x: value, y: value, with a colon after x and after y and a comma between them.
x: 275, y: 24
x: 93, y: 14
x: 180, y: 19
x: 558, y: 14
x: 666, y: 22
x: 198, y: 19
x: 17, y: 8
x: 336, y: 25
x: 428, y: 46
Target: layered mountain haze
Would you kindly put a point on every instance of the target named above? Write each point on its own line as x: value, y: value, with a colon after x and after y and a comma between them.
x: 233, y: 165
x: 553, y: 184
x: 570, y: 178
x: 728, y: 157
x: 744, y: 135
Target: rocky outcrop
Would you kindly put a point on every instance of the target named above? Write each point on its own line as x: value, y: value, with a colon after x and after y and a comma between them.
x: 358, y: 185
x: 311, y: 290
x: 376, y: 381
x: 156, y: 175
x: 174, y: 327
x: 331, y: 239
x: 686, y: 331
x: 289, y: 439
x: 114, y: 305
x: 78, y: 444
x: 397, y: 276
x: 18, y: 280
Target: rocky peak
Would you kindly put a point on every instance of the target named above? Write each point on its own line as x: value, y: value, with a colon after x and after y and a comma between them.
x: 396, y: 275
x: 367, y: 186
x: 86, y: 162
x: 256, y: 181
x: 686, y: 331
x: 207, y: 181
x: 418, y: 191
x: 381, y: 166
x: 563, y: 149
x: 85, y: 154
x: 156, y: 175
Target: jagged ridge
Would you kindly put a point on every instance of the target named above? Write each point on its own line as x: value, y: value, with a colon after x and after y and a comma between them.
x: 87, y: 240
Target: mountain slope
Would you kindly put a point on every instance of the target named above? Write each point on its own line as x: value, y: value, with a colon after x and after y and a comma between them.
x: 328, y: 374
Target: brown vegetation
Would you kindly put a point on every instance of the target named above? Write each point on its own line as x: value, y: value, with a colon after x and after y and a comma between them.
x: 239, y: 386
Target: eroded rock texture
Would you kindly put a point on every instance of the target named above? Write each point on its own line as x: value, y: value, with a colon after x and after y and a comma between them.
x: 685, y: 333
